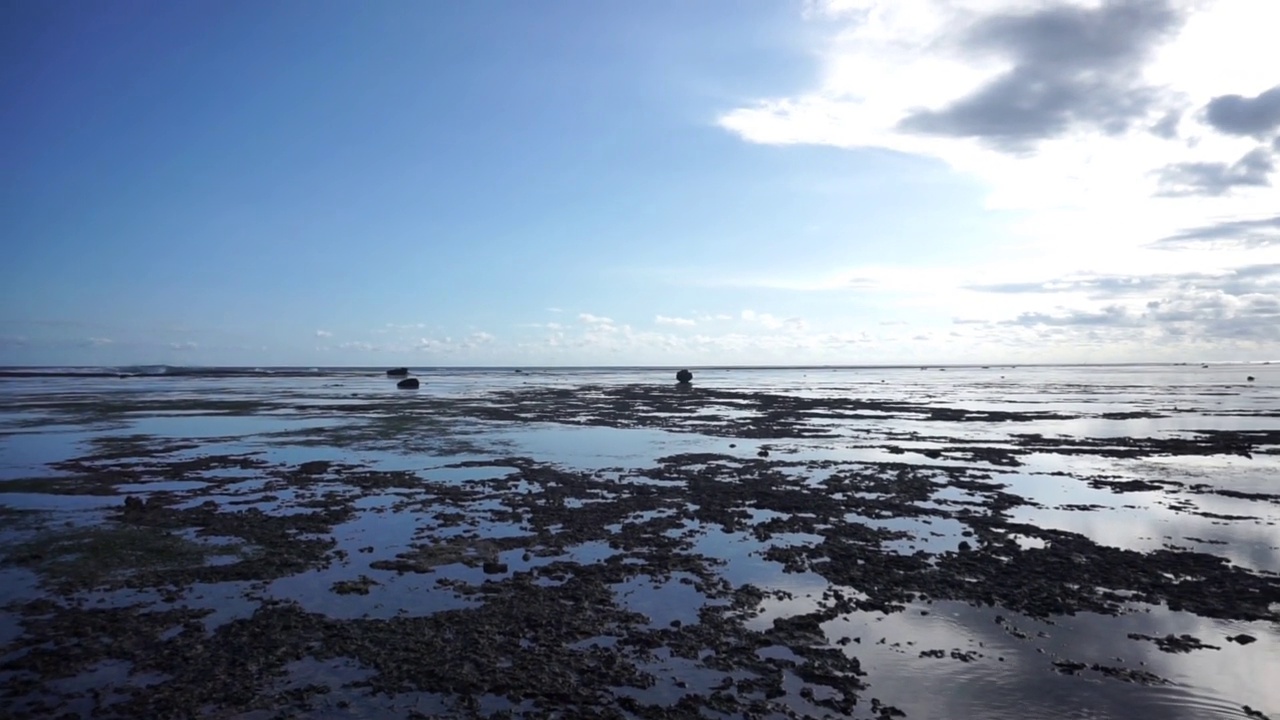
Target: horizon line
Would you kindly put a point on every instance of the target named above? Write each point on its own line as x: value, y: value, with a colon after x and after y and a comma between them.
x: 899, y: 365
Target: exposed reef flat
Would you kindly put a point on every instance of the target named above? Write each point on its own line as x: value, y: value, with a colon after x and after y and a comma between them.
x: 623, y: 550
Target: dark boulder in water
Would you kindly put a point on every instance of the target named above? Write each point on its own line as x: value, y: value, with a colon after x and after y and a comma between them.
x: 398, y: 372
x: 1250, y: 378
x: 684, y: 376
x: 314, y: 467
x: 408, y: 384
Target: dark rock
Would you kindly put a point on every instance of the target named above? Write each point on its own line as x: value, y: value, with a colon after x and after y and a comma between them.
x: 684, y: 376
x: 359, y: 586
x: 1250, y: 378
x: 494, y: 568
x: 1129, y: 675
x: 1175, y: 643
x: 763, y: 453
x: 408, y: 384
x: 965, y: 547
x: 1242, y: 639
x: 398, y: 372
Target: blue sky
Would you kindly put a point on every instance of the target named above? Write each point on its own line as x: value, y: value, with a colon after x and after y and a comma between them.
x: 851, y: 181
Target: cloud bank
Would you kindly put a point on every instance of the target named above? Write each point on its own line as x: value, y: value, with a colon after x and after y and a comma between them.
x: 1074, y: 103
x: 1136, y: 144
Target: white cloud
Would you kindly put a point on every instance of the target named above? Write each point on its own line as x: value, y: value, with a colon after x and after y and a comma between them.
x: 398, y: 327
x: 771, y: 322
x: 446, y: 346
x: 98, y: 341
x: 1088, y: 123
x: 957, y: 80
x: 547, y: 325
x: 678, y: 321
x: 1242, y: 306
x: 188, y: 345
x: 358, y: 345
x: 323, y: 334
x: 589, y: 319
x: 756, y: 344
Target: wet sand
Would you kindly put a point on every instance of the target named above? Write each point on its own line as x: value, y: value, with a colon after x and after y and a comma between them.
x: 998, y: 542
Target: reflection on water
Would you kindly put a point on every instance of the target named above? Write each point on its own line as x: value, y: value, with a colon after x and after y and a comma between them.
x: 601, y: 447
x: 26, y: 453
x: 206, y: 426
x: 1008, y: 668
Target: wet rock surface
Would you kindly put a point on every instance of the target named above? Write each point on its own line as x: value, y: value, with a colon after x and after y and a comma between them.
x: 1175, y: 643
x: 535, y: 589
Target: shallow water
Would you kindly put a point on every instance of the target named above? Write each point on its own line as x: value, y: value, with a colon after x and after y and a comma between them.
x: 358, y: 419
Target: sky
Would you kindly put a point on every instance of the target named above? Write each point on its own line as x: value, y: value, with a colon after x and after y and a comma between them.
x: 720, y: 182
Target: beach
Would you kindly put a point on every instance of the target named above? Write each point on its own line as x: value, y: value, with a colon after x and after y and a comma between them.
x: 921, y: 542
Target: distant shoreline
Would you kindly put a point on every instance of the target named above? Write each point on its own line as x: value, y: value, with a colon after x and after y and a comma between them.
x: 152, y: 371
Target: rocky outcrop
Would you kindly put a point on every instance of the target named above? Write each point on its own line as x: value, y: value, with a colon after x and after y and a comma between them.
x: 408, y: 384
x: 398, y: 372
x: 684, y: 376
